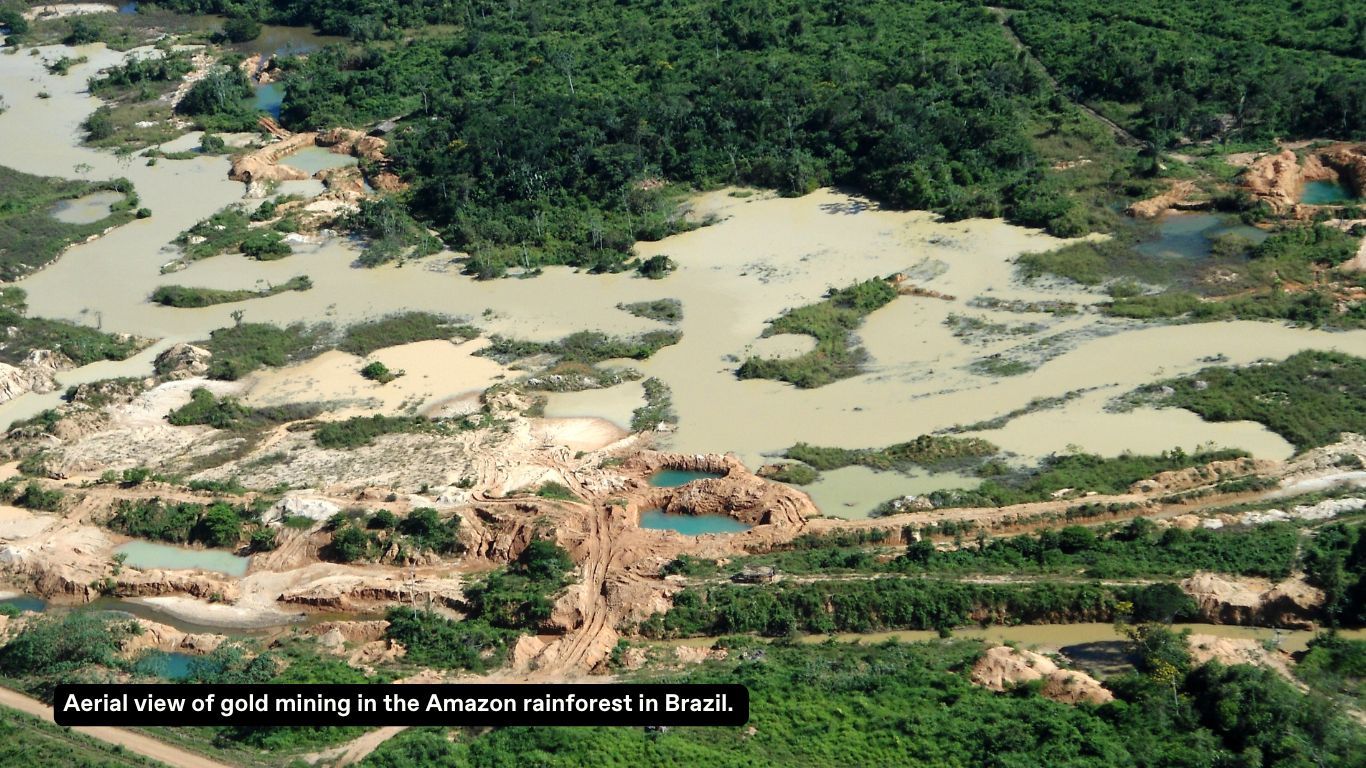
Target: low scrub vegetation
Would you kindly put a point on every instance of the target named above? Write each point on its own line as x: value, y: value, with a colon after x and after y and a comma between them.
x: 190, y: 298
x: 831, y: 323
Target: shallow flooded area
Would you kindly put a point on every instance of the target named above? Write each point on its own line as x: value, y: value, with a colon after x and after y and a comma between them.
x: 764, y: 255
x: 85, y: 210
x: 268, y: 98
x: 1192, y: 235
x: 147, y: 555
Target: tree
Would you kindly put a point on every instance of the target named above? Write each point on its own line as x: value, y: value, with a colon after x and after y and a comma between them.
x: 219, y: 526
x: 349, y: 544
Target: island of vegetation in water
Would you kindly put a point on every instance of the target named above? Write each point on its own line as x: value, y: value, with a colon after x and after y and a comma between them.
x: 456, y: 532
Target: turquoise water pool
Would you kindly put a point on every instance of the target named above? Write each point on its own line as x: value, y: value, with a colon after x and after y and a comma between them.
x: 145, y: 554
x: 269, y: 97
x: 26, y: 603
x: 1325, y: 193
x: 672, y: 478
x: 690, y: 525
x: 171, y: 666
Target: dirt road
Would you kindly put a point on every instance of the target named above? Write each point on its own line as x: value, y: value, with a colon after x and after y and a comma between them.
x: 133, y: 742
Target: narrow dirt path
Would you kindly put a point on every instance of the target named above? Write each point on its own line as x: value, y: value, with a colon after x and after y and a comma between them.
x: 129, y: 740
x: 1122, y: 135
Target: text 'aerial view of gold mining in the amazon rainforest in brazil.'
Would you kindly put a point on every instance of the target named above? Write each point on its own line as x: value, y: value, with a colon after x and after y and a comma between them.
x: 623, y: 383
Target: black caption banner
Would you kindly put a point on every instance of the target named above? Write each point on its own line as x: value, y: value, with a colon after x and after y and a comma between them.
x: 453, y: 704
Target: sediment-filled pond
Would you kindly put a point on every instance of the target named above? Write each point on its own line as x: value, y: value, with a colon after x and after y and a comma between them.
x: 763, y: 256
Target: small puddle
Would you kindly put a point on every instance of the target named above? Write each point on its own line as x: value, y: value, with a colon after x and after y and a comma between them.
x: 86, y: 210
x: 690, y: 525
x: 672, y: 478
x: 145, y: 554
x: 1326, y: 193
x: 268, y: 99
x: 170, y: 666
x: 1191, y: 235
x: 310, y: 160
x: 127, y: 8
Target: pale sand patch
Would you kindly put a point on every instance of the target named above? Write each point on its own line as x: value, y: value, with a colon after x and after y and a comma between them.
x: 54, y: 11
x: 433, y: 371
x: 18, y: 523
x: 217, y: 614
x: 577, y: 434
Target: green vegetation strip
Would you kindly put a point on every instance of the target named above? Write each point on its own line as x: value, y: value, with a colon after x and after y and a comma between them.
x: 937, y: 452
x: 831, y: 323
x: 189, y: 298
x: 82, y: 344
x: 30, y: 237
x: 1137, y: 550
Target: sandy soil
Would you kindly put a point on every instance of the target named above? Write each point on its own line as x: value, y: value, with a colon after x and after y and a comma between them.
x: 58, y: 11
x: 432, y: 370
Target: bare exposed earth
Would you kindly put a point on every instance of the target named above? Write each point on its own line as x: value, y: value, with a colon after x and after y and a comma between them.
x: 1002, y: 668
x: 486, y: 477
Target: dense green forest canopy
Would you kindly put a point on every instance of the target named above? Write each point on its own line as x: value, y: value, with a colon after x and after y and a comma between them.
x: 1250, y: 70
x: 912, y: 704
x: 550, y: 133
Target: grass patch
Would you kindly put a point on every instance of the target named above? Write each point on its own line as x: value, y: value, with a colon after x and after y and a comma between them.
x: 405, y: 328
x: 83, y: 345
x: 934, y: 452
x: 30, y: 238
x: 663, y: 310
x: 658, y: 408
x: 243, y: 348
x: 832, y: 323
x: 1309, y: 398
x: 557, y: 491
x: 188, y: 298
x: 229, y: 413
x: 794, y: 472
x: 26, y: 740
x: 230, y: 230
x: 359, y: 431
x: 1080, y: 472
x: 583, y: 347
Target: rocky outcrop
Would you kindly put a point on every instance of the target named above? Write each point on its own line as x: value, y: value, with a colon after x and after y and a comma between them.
x: 37, y: 372
x: 1291, y: 603
x: 1279, y: 179
x: 183, y: 361
x: 161, y: 637
x: 1177, y: 197
x: 351, y: 142
x: 1002, y: 668
x: 1348, y: 163
x: 1275, y: 179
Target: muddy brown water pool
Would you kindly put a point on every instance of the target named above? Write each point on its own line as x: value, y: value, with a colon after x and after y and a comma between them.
x: 763, y: 256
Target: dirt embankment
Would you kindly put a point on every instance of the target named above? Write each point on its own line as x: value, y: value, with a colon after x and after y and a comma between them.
x: 1291, y: 603
x: 1177, y: 198
x: 1279, y: 179
x: 1002, y: 668
x: 270, y: 163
